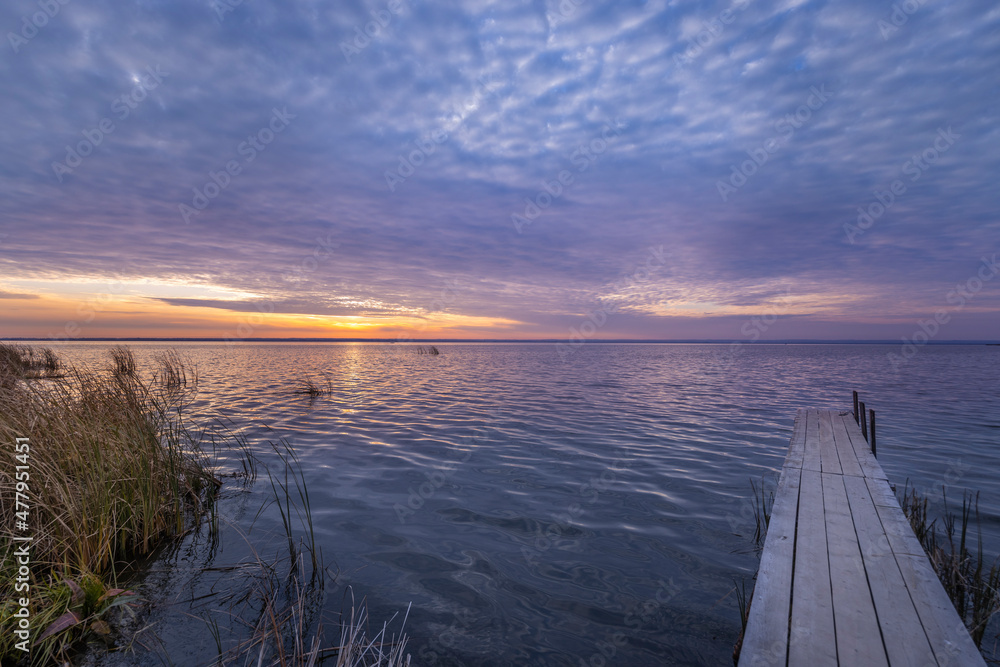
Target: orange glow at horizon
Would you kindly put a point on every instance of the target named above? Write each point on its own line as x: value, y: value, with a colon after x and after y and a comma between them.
x: 61, y: 317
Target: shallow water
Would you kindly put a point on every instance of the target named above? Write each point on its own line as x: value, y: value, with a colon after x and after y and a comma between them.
x: 541, y: 510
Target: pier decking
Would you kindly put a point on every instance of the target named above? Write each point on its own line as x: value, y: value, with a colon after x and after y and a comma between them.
x: 843, y: 580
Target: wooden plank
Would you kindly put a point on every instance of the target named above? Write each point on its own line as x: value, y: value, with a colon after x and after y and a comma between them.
x: 811, y: 456
x: 859, y: 641
x: 903, y: 636
x: 796, y: 448
x: 882, y: 494
x: 829, y: 458
x: 950, y: 641
x: 848, y: 457
x: 895, y: 525
x: 812, y: 640
x: 765, y: 641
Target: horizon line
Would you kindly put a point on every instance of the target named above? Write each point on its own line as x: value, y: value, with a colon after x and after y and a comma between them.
x: 687, y: 341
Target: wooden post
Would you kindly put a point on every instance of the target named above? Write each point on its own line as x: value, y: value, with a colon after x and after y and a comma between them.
x: 872, y: 414
x: 864, y: 422
x: 856, y: 421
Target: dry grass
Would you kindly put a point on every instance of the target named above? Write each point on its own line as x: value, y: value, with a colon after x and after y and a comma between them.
x: 113, y: 472
x: 172, y: 373
x: 763, y: 502
x: 425, y: 349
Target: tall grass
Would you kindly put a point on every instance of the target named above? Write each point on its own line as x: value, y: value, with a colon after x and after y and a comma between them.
x: 113, y: 472
x: 18, y: 362
x: 972, y: 584
x: 172, y: 373
x: 763, y: 502
x: 313, y: 388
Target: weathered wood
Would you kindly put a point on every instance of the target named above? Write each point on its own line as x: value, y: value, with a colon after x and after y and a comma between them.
x: 843, y: 579
x: 796, y: 448
x: 811, y: 453
x: 766, y: 641
x: 828, y: 455
x: 869, y: 464
x: 848, y: 459
x: 857, y: 629
x: 946, y: 633
x: 864, y: 422
x: 896, y: 613
x: 871, y: 431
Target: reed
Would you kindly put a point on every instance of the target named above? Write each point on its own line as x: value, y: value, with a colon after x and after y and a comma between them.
x: 972, y: 584
x: 281, y: 600
x: 763, y: 501
x: 113, y: 472
x: 123, y: 361
x: 173, y: 373
x: 312, y: 388
x: 428, y: 349
x: 743, y: 599
x: 26, y: 362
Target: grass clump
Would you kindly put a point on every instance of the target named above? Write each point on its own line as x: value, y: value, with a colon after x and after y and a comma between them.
x: 972, y: 585
x: 112, y: 472
x: 172, y: 373
x: 313, y: 389
x: 278, y: 602
x: 427, y: 349
x: 763, y: 502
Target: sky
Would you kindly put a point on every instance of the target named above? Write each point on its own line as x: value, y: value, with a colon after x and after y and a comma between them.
x: 574, y: 169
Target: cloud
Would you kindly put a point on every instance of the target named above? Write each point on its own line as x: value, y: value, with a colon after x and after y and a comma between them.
x: 522, y: 92
x: 17, y: 295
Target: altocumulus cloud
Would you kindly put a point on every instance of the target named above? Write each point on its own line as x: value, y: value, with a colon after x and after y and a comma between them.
x: 556, y: 78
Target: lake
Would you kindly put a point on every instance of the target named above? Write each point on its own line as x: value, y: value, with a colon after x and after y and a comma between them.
x: 538, y: 508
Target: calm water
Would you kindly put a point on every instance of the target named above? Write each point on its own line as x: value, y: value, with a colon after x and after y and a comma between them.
x: 546, y: 511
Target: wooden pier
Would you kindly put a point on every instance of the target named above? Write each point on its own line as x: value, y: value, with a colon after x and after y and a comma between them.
x: 843, y: 580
